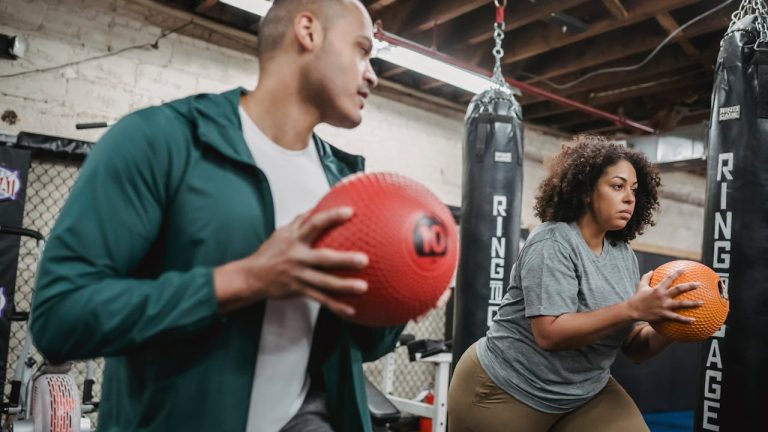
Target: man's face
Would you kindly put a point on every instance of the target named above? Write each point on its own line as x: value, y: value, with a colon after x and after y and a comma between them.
x: 340, y: 75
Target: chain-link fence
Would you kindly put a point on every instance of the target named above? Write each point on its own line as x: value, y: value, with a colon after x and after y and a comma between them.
x: 49, y: 183
x: 411, y: 378
x: 50, y: 180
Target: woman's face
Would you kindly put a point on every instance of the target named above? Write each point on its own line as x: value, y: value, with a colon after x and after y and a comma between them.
x: 613, y: 200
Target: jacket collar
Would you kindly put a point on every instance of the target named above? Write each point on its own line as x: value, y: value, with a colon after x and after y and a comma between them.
x: 217, y: 122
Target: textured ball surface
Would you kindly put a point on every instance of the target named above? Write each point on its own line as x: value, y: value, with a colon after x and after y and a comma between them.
x: 409, y: 236
x: 709, y: 316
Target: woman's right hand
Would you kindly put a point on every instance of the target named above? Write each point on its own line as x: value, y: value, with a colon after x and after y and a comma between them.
x: 657, y: 304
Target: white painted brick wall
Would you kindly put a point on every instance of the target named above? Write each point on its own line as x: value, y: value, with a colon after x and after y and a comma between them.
x: 65, y: 31
x: 394, y: 136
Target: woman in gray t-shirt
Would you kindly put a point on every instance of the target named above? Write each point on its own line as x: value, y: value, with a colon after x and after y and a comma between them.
x: 575, y: 299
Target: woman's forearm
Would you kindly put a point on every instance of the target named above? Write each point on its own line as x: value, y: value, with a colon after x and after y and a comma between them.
x: 643, y: 343
x: 579, y: 329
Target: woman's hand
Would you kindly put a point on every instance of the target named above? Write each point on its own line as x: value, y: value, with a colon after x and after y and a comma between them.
x: 656, y: 304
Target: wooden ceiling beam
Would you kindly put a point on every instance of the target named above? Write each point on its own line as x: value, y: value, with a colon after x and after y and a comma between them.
x: 685, y: 119
x: 671, y: 90
x: 606, y: 130
x: 395, y: 19
x: 444, y: 11
x: 669, y: 24
x: 617, y: 94
x: 694, y: 118
x: 378, y: 5
x: 518, y: 14
x: 616, y: 8
x: 631, y: 109
x: 545, y: 38
x: 547, y: 108
x: 665, y: 62
x: 668, y: 95
x: 431, y: 83
x: 205, y: 5
x: 414, y: 16
x: 598, y: 127
x: 607, y: 49
x: 392, y: 72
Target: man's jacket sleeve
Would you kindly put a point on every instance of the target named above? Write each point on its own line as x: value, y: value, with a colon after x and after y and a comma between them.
x: 86, y: 303
x: 374, y: 343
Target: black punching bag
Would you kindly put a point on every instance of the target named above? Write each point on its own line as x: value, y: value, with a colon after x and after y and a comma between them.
x: 492, y: 189
x: 734, y: 372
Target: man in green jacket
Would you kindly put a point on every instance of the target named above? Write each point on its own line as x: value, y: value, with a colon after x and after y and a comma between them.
x: 183, y: 255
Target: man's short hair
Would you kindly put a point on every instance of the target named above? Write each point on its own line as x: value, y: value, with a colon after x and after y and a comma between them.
x: 279, y: 20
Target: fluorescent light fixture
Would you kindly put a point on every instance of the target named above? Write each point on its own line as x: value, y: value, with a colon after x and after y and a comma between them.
x: 258, y: 7
x: 431, y: 67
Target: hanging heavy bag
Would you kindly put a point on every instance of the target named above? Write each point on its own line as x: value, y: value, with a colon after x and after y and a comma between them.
x: 490, y: 215
x: 733, y: 374
x: 492, y: 185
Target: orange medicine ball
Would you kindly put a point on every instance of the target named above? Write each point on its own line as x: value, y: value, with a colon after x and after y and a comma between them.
x: 709, y: 316
x: 410, y: 238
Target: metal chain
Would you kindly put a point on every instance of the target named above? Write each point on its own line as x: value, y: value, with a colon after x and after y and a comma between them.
x: 498, y: 51
x: 757, y: 8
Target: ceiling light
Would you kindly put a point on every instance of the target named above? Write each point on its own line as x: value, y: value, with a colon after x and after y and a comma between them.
x: 258, y: 7
x: 431, y: 67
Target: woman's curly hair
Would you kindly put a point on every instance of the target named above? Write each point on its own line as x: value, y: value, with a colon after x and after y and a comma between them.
x: 564, y: 195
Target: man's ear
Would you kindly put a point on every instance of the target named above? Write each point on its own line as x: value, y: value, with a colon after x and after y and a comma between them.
x: 308, y: 31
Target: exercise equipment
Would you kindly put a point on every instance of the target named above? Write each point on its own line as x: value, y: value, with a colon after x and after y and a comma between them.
x: 492, y: 185
x: 709, y: 316
x: 45, y: 399
x: 733, y: 369
x: 409, y: 237
x: 386, y: 409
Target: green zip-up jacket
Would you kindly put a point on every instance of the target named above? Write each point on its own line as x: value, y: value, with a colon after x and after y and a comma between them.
x: 166, y: 195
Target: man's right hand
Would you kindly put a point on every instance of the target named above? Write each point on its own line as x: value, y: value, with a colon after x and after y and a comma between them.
x: 286, y: 265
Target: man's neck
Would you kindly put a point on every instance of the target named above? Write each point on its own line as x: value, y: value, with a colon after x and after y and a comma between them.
x: 281, y: 115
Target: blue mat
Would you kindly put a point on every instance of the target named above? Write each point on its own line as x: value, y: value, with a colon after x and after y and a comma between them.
x: 672, y: 421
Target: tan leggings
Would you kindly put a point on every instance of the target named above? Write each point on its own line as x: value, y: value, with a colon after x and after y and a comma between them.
x: 476, y: 404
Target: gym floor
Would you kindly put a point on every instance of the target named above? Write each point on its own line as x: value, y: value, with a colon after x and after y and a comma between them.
x: 673, y: 421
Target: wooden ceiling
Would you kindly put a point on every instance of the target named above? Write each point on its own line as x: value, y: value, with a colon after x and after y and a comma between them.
x: 549, y: 43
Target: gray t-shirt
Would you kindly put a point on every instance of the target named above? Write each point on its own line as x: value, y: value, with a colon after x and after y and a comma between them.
x: 557, y: 273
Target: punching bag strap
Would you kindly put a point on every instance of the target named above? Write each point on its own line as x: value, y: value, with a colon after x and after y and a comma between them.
x: 486, y: 129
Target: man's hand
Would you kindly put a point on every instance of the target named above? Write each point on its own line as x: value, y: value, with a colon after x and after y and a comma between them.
x: 287, y: 266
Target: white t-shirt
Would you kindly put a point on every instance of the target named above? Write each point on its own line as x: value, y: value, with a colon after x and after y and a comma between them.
x: 297, y: 181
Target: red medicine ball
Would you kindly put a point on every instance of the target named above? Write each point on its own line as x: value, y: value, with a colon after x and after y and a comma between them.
x: 409, y: 237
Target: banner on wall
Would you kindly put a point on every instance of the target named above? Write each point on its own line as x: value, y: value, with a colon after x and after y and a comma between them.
x: 14, y: 168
